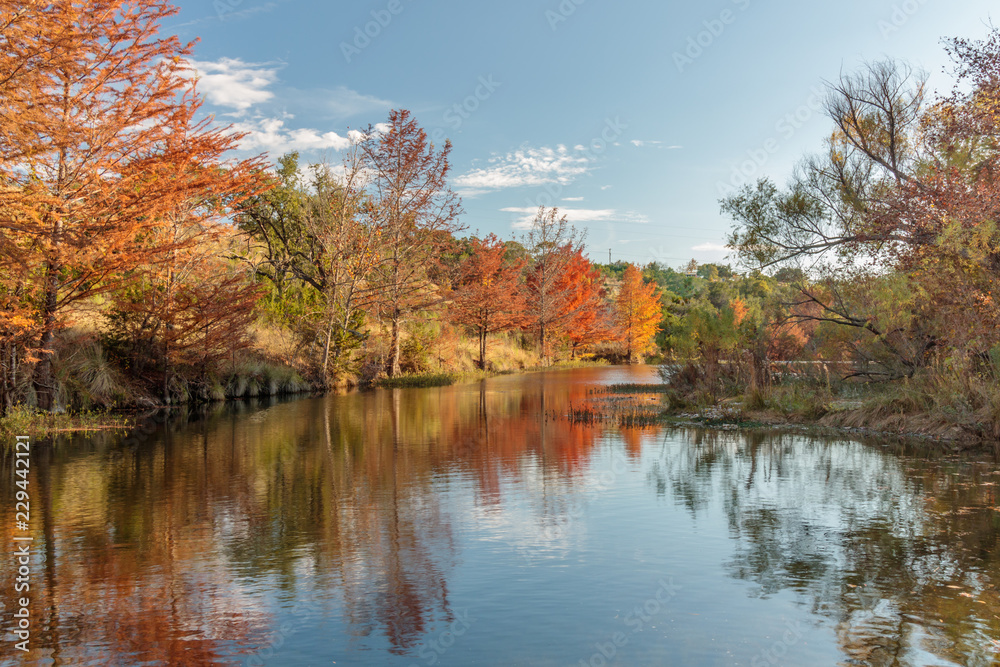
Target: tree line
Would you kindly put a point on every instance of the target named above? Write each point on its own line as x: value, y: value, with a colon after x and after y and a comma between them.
x: 362, y: 248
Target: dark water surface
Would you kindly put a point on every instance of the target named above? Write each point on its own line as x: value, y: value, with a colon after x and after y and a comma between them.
x: 474, y: 525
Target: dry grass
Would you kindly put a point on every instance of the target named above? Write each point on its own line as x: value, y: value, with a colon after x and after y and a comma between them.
x: 22, y: 420
x: 949, y: 400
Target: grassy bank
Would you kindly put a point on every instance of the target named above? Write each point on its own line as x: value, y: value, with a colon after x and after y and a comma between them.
x: 94, y: 386
x: 962, y: 409
x: 25, y: 421
x: 446, y: 379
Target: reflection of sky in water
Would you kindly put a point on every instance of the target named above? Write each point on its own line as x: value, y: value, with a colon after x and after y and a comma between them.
x: 472, y: 524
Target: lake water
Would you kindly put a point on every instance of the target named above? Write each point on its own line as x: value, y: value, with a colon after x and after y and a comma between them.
x: 474, y: 525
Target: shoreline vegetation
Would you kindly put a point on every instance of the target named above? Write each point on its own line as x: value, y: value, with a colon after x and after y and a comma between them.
x: 913, y: 411
x: 23, y: 420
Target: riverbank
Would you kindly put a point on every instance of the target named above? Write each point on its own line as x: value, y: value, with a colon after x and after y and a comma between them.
x: 888, y: 411
x: 417, y: 380
x: 22, y: 420
x: 263, y: 383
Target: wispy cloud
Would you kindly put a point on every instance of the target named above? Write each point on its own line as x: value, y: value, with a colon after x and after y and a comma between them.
x: 225, y: 10
x: 710, y: 247
x: 659, y: 144
x: 345, y: 102
x: 523, y: 168
x: 338, y: 103
x: 576, y: 216
x: 572, y: 198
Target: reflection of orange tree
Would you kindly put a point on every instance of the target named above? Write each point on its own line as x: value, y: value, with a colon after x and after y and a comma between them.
x: 339, y: 487
x: 101, y: 595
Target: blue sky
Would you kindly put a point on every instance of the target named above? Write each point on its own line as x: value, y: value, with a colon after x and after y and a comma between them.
x: 631, y: 116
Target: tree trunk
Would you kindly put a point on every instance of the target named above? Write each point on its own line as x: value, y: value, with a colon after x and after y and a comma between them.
x: 482, y: 349
x: 8, y: 380
x: 166, y: 366
x: 392, y: 368
x: 541, y: 341
x: 326, y: 353
x: 44, y: 383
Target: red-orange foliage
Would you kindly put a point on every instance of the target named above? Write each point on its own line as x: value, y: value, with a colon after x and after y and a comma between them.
x: 553, y: 244
x: 739, y: 310
x: 488, y: 294
x: 638, y: 312
x: 588, y: 318
x: 194, y: 311
x: 111, y: 147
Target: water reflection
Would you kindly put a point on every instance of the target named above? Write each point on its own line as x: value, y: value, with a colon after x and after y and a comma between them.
x: 160, y: 553
x: 897, y: 551
x: 358, y: 527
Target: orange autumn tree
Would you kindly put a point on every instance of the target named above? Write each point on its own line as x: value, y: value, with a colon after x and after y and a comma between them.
x: 588, y: 319
x: 638, y: 313
x: 552, y: 244
x: 101, y: 156
x: 193, y: 311
x: 27, y: 38
x: 488, y: 293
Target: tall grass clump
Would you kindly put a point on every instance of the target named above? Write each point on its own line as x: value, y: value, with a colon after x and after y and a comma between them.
x: 86, y: 379
x: 254, y: 377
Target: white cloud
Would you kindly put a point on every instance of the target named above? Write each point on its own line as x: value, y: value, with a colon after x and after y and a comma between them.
x: 572, y: 198
x: 710, y: 247
x: 577, y: 215
x: 237, y: 85
x: 271, y: 135
x: 606, y: 187
x: 522, y: 168
x: 232, y: 83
